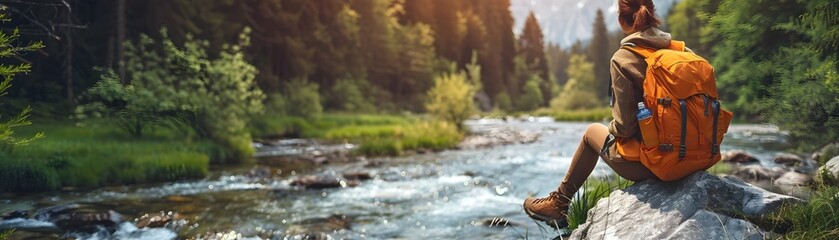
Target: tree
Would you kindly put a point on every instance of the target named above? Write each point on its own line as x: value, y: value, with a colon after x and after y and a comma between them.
x: 599, y: 55
x: 451, y: 98
x: 10, y: 49
x: 579, y: 92
x: 532, y: 47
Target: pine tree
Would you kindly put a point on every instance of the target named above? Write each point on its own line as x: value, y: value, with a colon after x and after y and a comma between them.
x: 532, y: 47
x: 599, y: 55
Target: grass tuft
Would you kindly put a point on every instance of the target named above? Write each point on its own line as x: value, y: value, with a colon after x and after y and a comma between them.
x: 592, y: 191
x: 814, y: 220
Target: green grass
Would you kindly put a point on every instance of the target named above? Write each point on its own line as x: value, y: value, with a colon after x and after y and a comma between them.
x: 721, y: 168
x: 590, y: 115
x: 592, y: 191
x: 814, y: 220
x: 94, y: 155
x: 377, y: 135
x: 5, y: 234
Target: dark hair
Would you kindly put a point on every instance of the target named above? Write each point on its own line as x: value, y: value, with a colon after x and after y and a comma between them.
x: 639, y: 14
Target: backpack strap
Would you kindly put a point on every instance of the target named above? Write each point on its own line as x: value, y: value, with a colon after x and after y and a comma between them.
x: 641, y: 51
x: 677, y: 45
x: 682, y: 146
x: 716, y: 147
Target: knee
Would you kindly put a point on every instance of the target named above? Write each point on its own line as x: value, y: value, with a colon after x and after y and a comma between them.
x: 596, y: 128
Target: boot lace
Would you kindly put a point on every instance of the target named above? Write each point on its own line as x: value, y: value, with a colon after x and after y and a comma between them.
x: 554, y: 196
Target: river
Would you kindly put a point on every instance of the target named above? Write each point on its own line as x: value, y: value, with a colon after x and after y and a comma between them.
x: 445, y: 195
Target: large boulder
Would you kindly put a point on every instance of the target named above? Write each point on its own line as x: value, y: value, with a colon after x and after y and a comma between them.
x: 829, y: 173
x: 700, y: 206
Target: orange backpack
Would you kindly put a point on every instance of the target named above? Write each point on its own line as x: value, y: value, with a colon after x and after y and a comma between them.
x: 681, y: 92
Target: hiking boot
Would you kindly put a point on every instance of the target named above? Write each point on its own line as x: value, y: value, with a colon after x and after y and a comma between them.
x: 552, y: 209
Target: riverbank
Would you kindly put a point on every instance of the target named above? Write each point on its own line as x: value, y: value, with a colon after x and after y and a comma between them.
x: 91, y: 154
x: 375, y: 135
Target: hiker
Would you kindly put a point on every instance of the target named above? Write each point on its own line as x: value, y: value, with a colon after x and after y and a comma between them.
x: 676, y: 138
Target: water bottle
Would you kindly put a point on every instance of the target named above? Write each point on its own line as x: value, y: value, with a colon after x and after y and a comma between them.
x: 647, y: 125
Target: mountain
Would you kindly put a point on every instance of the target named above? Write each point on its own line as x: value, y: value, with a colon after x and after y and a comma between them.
x: 566, y: 21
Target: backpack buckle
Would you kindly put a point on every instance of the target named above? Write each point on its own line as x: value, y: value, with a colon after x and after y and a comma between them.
x: 665, y: 147
x: 665, y: 101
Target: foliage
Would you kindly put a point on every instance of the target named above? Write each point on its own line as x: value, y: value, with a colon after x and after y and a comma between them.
x: 800, y: 96
x: 818, y: 218
x: 375, y: 134
x: 600, y: 55
x: 503, y: 102
x: 302, y: 99
x: 579, y: 92
x: 531, y: 97
x: 134, y: 110
x: 346, y: 95
x: 5, y: 233
x: 451, y: 98
x: 214, y: 97
x: 10, y: 49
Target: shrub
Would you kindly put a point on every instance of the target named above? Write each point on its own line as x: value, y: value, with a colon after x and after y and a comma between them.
x: 216, y: 98
x: 503, y: 102
x: 816, y: 219
x: 451, y: 98
x: 346, y: 96
x: 531, y: 97
x: 579, y: 91
x: 302, y: 99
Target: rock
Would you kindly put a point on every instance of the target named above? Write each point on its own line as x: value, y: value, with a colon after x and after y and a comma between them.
x: 789, y: 160
x: 498, y: 137
x: 829, y: 173
x: 358, y: 176
x: 793, y: 178
x: 826, y: 153
x: 700, y: 206
x: 738, y: 156
x: 157, y: 220
x: 14, y: 214
x: 795, y: 184
x: 73, y: 217
x: 323, y: 182
x: 752, y: 173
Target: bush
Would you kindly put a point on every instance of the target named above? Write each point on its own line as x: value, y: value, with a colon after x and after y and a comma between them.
x: 302, y: 99
x: 503, y: 102
x: 579, y: 92
x: 346, y: 96
x: 215, y: 98
x: 451, y: 98
x: 531, y: 97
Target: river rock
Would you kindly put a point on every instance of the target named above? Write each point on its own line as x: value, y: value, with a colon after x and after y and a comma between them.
x: 74, y: 217
x: 323, y: 182
x: 753, y: 173
x: 826, y: 153
x: 157, y: 220
x: 795, y: 184
x: 13, y: 214
x: 738, y: 156
x: 700, y: 206
x: 789, y: 160
x: 358, y: 176
x: 829, y: 173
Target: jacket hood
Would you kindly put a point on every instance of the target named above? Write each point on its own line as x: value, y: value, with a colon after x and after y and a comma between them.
x: 652, y: 38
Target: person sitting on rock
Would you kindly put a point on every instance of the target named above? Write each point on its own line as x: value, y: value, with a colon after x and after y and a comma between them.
x: 628, y: 69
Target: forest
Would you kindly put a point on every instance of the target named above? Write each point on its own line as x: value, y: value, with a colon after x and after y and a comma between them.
x: 99, y: 93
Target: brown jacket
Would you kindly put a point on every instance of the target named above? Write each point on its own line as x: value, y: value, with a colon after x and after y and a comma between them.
x: 628, y: 70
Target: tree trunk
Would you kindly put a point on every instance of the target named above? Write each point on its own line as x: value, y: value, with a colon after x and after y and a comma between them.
x: 120, y: 40
x: 68, y: 60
